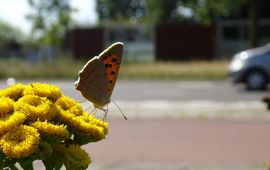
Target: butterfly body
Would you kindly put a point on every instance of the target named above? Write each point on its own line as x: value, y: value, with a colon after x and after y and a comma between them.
x: 97, y: 78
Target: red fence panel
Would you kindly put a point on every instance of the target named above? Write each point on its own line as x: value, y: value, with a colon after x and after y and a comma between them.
x: 180, y: 41
x: 86, y: 42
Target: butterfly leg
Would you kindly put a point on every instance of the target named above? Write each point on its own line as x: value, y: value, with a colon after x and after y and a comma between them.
x: 105, y: 112
x: 93, y: 111
x: 90, y: 108
x: 105, y: 115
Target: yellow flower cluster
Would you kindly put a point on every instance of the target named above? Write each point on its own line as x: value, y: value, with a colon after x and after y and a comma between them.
x: 20, y: 142
x: 38, y: 113
x: 72, y: 115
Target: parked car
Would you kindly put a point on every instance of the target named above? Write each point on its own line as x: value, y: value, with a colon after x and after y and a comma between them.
x: 251, y: 67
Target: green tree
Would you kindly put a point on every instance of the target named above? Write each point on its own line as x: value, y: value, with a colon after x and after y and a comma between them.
x: 9, y: 33
x: 160, y: 11
x: 120, y: 11
x: 50, y: 20
x: 207, y: 11
x: 130, y: 11
x: 254, y: 7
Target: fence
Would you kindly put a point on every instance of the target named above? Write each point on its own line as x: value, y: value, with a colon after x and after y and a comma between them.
x: 171, y: 42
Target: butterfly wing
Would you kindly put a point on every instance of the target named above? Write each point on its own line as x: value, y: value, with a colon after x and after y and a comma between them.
x: 97, y: 78
x: 91, y: 82
x: 111, y: 59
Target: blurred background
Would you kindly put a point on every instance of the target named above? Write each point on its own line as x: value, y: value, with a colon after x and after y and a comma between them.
x: 67, y: 33
x: 175, y: 30
x: 151, y: 30
x: 183, y: 112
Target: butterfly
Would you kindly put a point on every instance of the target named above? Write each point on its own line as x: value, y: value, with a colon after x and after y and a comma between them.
x: 97, y: 78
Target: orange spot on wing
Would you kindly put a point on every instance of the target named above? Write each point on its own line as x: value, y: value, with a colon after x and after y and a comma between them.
x: 112, y: 66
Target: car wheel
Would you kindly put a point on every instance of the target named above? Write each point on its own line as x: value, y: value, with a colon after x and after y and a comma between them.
x: 256, y: 80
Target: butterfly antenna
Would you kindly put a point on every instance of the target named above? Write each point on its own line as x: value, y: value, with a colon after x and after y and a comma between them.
x: 105, y: 112
x: 119, y: 109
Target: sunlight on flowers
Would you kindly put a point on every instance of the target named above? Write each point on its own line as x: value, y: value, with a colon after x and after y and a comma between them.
x: 38, y: 122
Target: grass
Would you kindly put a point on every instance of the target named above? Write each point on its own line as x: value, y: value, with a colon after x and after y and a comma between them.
x: 59, y: 68
x: 192, y: 70
x: 67, y: 68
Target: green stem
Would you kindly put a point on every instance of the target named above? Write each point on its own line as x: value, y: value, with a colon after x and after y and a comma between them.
x: 27, y: 165
x: 13, y: 167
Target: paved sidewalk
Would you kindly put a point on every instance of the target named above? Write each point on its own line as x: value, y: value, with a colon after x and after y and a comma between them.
x: 184, y: 144
x: 189, y: 109
x: 145, y: 166
x: 157, y: 166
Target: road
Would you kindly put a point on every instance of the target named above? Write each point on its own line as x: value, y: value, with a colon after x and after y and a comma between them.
x: 155, y: 99
x: 222, y: 91
x: 183, y: 91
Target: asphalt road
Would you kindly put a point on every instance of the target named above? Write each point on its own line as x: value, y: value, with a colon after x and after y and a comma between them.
x: 222, y: 91
x: 183, y: 91
x: 178, y: 91
x: 155, y: 99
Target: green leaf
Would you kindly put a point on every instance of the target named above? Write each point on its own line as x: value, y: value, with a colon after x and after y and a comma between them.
x: 7, y: 162
x: 54, y: 162
x: 82, y: 139
x: 44, y: 150
x: 26, y: 165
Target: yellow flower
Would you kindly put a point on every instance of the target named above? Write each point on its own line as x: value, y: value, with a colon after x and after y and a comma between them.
x: 51, y: 129
x: 11, y: 121
x: 35, y: 107
x: 91, y: 118
x: 74, y: 157
x: 266, y: 166
x: 90, y: 126
x: 43, y: 90
x: 20, y: 142
x: 38, y: 120
x: 6, y: 106
x: 14, y: 92
x: 68, y: 108
x: 70, y: 105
